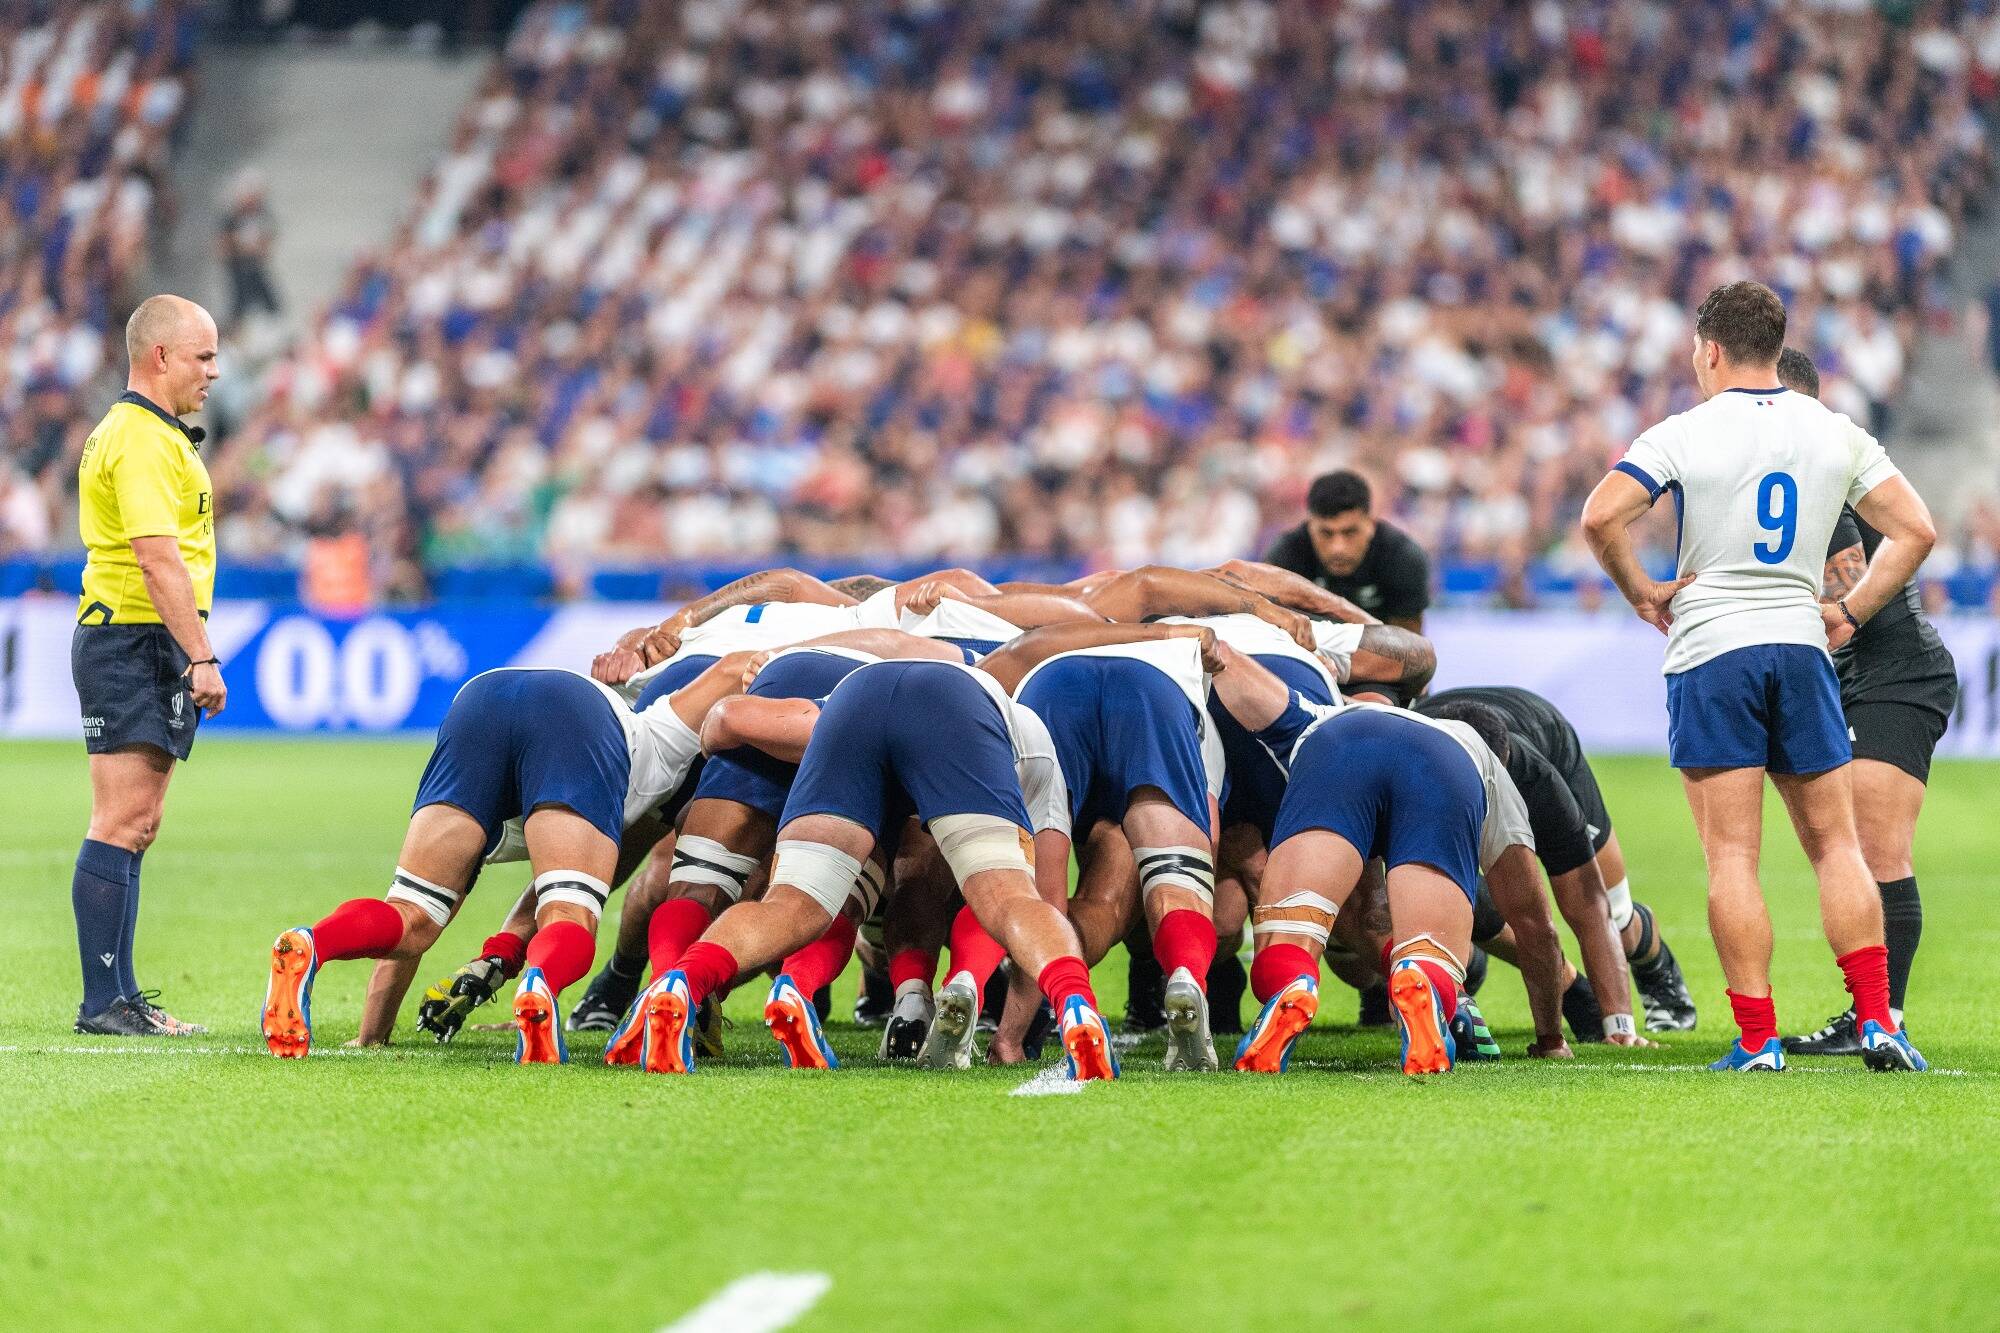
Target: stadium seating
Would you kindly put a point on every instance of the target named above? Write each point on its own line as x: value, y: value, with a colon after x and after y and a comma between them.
x: 1096, y: 281
x: 90, y: 98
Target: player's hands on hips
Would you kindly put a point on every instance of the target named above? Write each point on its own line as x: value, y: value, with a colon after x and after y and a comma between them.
x: 1299, y: 627
x: 1655, y: 602
x: 205, y: 684
x: 1550, y: 1048
x: 1838, y: 631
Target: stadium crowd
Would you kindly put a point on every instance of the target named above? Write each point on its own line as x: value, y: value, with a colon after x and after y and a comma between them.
x: 1089, y: 281
x: 90, y: 98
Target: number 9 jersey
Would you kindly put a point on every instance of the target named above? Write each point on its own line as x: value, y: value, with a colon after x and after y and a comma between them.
x: 1758, y: 479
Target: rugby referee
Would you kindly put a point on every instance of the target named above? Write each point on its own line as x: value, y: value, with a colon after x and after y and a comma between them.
x: 144, y: 670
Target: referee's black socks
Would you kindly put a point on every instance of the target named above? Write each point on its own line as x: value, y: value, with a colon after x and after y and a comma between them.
x: 98, y: 894
x: 1902, y: 928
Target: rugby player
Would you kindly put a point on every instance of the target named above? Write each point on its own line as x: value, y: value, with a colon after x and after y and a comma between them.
x: 562, y: 754
x: 730, y: 826
x: 1124, y: 706
x: 1898, y: 688
x: 760, y: 612
x: 1433, y: 801
x: 1760, y: 474
x: 1579, y: 852
x: 937, y: 740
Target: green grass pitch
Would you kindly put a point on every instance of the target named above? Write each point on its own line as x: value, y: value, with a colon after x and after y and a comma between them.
x: 211, y: 1187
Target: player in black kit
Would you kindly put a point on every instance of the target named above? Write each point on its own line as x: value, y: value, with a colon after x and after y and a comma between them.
x: 1573, y: 833
x: 1898, y: 686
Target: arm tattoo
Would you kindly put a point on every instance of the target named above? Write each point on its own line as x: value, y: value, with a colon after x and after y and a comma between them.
x: 1843, y: 570
x: 1412, y: 651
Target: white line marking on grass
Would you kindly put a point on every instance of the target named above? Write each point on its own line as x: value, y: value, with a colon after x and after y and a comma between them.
x: 755, y: 1303
x: 1051, y: 1082
x: 165, y: 1050
x: 1855, y: 1068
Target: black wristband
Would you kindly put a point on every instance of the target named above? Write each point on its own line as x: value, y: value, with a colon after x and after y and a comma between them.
x: 1847, y: 614
x: 215, y: 662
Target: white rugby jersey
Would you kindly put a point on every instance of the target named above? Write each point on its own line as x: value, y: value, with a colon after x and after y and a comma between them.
x: 1043, y: 790
x: 953, y: 619
x: 663, y: 750
x: 1180, y: 661
x: 1260, y: 638
x: 1336, y: 641
x: 1759, y: 479
x: 753, y: 628
x: 1506, y: 823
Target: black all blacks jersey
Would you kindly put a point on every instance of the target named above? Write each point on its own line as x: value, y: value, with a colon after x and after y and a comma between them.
x: 1897, y: 657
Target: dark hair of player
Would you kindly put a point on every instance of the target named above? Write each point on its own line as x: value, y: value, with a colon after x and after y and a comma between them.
x: 1797, y: 372
x: 1746, y: 320
x: 861, y: 586
x: 1485, y: 719
x: 1336, y: 493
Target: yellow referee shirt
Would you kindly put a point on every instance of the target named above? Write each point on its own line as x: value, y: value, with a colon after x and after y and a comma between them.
x: 141, y: 477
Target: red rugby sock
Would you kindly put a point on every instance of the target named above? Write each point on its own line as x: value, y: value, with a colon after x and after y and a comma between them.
x: 1444, y: 983
x: 509, y: 948
x: 674, y: 925
x: 708, y: 966
x: 1276, y: 966
x: 818, y: 963
x: 358, y: 928
x: 564, y: 951
x: 1064, y: 977
x: 1185, y: 938
x: 973, y: 950
x: 1867, y: 973
x: 912, y: 965
x: 1757, y: 1015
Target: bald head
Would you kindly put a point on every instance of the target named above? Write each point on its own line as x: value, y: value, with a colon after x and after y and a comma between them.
x: 161, y: 321
x: 171, y: 344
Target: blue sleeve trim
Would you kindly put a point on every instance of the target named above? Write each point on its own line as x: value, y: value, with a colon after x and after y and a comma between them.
x: 1640, y: 475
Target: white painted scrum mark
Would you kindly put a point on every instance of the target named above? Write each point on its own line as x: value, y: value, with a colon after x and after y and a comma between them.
x: 1051, y: 1082
x: 755, y: 1303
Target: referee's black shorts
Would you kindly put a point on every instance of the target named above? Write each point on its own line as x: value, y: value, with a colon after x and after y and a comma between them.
x: 132, y: 683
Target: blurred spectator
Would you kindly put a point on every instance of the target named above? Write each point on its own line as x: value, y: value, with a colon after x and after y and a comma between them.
x: 1100, y: 281
x: 90, y: 94
x: 248, y: 231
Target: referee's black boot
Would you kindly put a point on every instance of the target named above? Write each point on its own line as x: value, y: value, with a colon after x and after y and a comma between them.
x: 120, y: 1018
x: 1840, y: 1036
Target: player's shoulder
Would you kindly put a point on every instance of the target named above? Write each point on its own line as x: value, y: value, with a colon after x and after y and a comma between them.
x: 1289, y: 548
x: 1392, y: 543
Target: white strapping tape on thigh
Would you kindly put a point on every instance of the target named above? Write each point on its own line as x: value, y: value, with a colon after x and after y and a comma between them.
x: 435, y: 900
x: 1429, y: 946
x: 824, y: 874
x: 572, y: 887
x: 1621, y: 903
x: 700, y: 860
x: 974, y: 843
x: 1189, y: 868
x: 1301, y: 913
